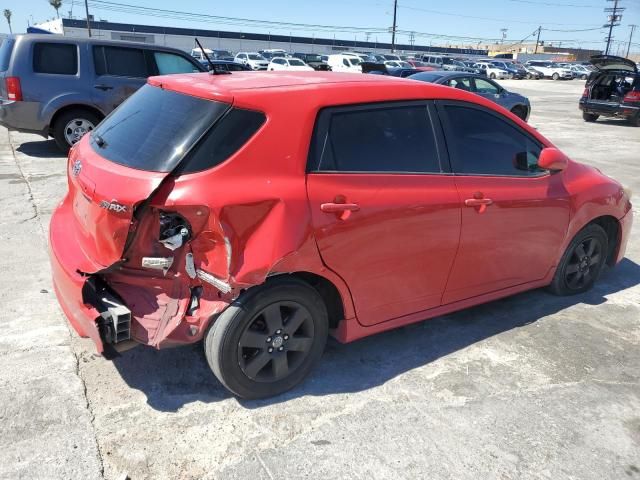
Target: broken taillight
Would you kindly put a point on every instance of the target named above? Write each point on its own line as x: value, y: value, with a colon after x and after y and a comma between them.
x: 632, y: 97
x: 14, y: 90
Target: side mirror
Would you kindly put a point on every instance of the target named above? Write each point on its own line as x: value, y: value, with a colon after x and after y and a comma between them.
x: 553, y: 159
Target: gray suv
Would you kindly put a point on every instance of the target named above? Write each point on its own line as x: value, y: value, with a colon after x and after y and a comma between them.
x: 63, y: 87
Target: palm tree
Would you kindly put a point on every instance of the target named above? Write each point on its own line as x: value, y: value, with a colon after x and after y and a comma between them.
x: 7, y: 15
x: 56, y: 4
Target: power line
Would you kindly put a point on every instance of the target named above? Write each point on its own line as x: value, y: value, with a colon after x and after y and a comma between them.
x: 573, y: 5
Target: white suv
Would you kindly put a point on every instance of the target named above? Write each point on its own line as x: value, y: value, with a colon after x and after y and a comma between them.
x: 551, y: 70
x: 290, y: 64
x: 252, y: 59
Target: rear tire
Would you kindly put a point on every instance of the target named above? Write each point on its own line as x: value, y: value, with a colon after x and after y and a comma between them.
x: 71, y: 126
x: 590, y: 117
x: 555, y: 76
x: 492, y: 76
x: 253, y: 347
x: 582, y: 262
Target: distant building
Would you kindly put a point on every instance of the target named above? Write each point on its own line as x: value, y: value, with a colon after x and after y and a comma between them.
x: 183, y: 38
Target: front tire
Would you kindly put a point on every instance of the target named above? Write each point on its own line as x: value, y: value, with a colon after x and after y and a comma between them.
x: 520, y: 112
x: 269, y: 339
x: 492, y: 76
x: 555, y: 76
x: 71, y: 126
x: 582, y: 262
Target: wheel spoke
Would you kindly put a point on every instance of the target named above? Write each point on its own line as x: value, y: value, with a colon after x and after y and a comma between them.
x: 575, y: 281
x: 294, y: 322
x: 273, y: 317
x: 591, y: 246
x: 253, y: 339
x: 580, y: 251
x: 572, y: 268
x: 586, y: 278
x: 299, y: 344
x: 256, y: 364
x: 280, y: 366
x: 595, y: 259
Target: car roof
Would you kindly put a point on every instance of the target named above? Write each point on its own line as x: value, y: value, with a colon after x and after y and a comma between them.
x: 55, y: 38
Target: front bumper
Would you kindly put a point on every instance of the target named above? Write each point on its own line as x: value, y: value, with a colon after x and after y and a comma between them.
x: 626, y: 223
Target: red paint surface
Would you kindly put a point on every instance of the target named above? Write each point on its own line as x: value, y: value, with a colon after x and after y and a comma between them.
x: 408, y: 248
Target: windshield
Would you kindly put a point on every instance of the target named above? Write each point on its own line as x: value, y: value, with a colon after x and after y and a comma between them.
x: 163, y: 125
x: 314, y: 58
x: 255, y: 56
x: 405, y: 64
x: 296, y: 63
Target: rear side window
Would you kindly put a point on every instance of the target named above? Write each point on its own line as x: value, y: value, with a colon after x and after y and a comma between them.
x: 120, y: 61
x: 480, y: 143
x: 5, y: 53
x: 223, y: 140
x: 387, y: 139
x: 154, y: 128
x: 55, y: 58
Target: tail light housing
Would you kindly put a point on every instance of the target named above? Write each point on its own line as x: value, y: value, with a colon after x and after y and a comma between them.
x: 585, y: 93
x: 14, y: 90
x: 632, y: 97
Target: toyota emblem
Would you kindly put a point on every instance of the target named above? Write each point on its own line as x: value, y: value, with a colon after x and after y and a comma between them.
x: 76, y: 168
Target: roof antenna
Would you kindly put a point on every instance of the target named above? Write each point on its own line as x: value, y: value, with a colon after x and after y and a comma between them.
x: 212, y: 68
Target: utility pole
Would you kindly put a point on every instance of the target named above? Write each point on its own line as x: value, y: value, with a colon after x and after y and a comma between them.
x: 614, y: 20
x: 504, y: 34
x: 538, y: 40
x: 86, y: 7
x: 393, y: 29
x: 633, y: 29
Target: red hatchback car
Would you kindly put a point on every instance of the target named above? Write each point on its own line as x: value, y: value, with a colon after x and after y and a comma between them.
x: 261, y: 212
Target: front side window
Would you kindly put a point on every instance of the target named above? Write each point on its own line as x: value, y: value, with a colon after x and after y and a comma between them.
x: 120, y: 61
x: 169, y: 63
x: 296, y: 63
x: 480, y: 143
x: 484, y: 86
x: 383, y: 139
x: 462, y: 83
x: 55, y: 58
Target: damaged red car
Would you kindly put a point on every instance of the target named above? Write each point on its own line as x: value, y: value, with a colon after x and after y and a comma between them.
x: 261, y: 212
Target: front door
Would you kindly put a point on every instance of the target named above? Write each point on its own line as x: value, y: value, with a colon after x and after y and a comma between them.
x: 514, y: 215
x: 384, y: 208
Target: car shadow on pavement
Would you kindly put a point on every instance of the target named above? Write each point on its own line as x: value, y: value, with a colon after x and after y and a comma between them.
x: 41, y: 149
x: 176, y: 377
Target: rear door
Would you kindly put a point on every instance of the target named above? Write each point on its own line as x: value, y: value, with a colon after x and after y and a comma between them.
x: 385, y: 211
x: 119, y: 72
x: 514, y: 215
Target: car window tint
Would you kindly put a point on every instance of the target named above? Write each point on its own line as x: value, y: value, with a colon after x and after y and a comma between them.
x: 5, y: 53
x: 461, y: 83
x: 120, y: 62
x: 223, y: 140
x: 484, y: 86
x: 58, y: 58
x: 481, y: 143
x: 392, y: 139
x: 171, y: 63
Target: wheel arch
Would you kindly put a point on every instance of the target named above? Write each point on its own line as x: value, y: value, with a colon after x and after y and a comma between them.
x: 70, y: 107
x: 611, y: 226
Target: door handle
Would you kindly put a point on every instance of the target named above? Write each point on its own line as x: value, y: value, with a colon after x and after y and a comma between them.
x: 339, y: 207
x: 102, y: 87
x: 477, y: 202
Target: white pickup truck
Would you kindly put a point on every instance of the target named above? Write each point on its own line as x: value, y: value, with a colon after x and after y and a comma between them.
x: 551, y: 70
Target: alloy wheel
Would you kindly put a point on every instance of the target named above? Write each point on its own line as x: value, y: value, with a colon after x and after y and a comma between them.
x: 76, y: 129
x: 276, y: 341
x: 584, y: 263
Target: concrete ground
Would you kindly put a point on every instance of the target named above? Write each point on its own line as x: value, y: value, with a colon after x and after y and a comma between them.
x: 530, y: 387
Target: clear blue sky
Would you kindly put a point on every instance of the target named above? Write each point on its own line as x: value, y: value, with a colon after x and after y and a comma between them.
x: 464, y: 18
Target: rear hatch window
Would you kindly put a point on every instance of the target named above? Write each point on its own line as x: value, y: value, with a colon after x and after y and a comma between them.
x: 155, y: 128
